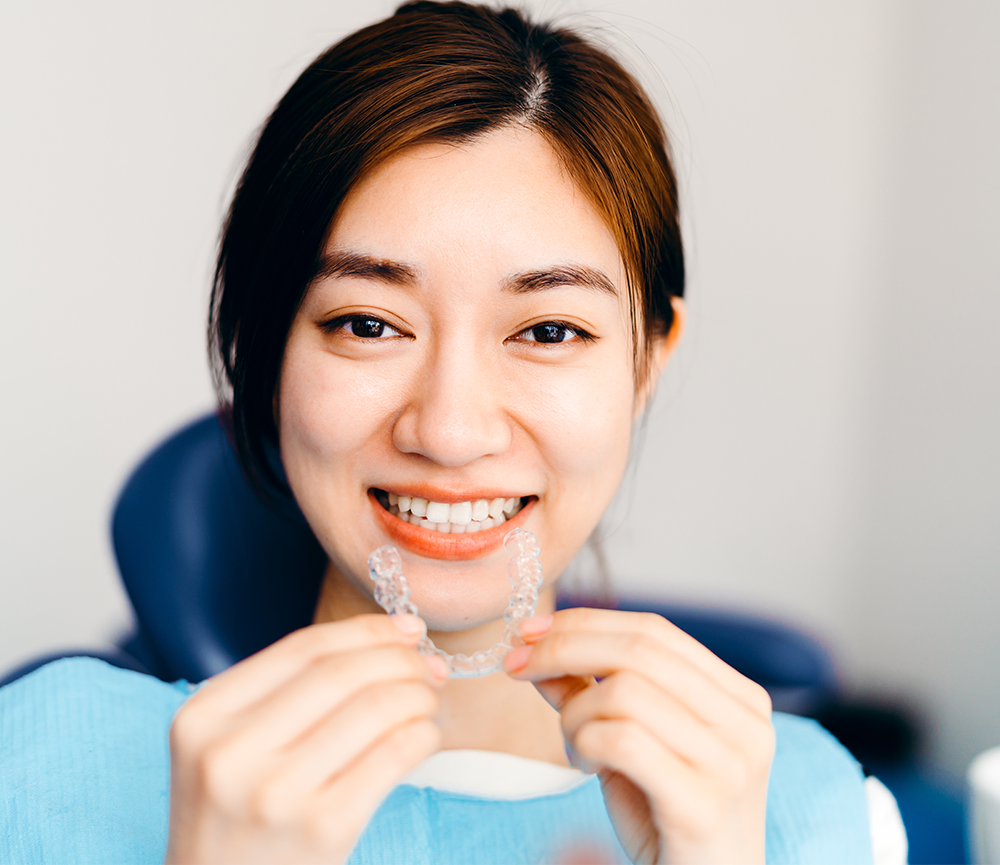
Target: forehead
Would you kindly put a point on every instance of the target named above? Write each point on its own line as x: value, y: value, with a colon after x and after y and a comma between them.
x: 503, y: 200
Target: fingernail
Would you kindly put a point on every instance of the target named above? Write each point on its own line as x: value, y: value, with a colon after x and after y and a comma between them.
x: 535, y: 626
x: 438, y: 667
x: 408, y: 625
x: 517, y: 658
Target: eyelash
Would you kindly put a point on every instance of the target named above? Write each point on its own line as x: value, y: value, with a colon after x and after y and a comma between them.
x: 579, y: 333
x: 341, y: 321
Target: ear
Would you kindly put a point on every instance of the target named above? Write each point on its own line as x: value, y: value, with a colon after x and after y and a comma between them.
x: 661, y: 351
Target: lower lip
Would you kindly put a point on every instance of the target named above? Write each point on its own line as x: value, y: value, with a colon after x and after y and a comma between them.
x: 438, y: 545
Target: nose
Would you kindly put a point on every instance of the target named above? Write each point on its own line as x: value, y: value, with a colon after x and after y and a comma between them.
x: 454, y: 413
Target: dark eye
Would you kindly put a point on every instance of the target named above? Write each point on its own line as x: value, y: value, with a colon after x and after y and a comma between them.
x: 553, y: 333
x: 369, y: 328
x: 362, y: 327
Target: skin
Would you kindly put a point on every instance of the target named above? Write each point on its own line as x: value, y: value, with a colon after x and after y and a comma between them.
x: 457, y: 395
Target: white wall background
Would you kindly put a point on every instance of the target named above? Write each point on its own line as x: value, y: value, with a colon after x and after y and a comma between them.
x: 826, y: 447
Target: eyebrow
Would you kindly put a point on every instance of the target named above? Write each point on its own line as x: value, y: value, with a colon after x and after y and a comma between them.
x: 345, y: 263
x: 340, y: 263
x: 559, y: 277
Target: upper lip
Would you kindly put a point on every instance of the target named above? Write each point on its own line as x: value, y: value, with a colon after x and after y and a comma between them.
x: 448, y: 495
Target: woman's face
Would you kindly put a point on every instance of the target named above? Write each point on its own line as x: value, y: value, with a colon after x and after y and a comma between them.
x: 467, y: 341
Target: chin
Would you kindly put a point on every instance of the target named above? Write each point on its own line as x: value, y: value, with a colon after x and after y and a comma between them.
x: 451, y: 598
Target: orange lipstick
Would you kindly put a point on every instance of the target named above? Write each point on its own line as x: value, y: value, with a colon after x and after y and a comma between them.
x: 447, y: 547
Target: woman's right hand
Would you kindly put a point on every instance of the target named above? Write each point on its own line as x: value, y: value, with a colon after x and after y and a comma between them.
x: 285, y: 756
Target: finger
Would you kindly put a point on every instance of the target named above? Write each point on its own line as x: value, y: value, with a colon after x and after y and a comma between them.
x: 629, y: 697
x: 692, y: 809
x: 293, y: 708
x: 628, y: 748
x: 557, y: 691
x: 660, y: 629
x: 233, y: 769
x: 347, y: 802
x: 580, y: 653
x: 331, y: 746
x: 245, y: 683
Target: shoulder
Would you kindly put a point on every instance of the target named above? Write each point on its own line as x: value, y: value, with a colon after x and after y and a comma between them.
x: 82, y: 677
x: 76, y: 699
x: 803, y: 742
x: 817, y: 810
x: 85, y: 752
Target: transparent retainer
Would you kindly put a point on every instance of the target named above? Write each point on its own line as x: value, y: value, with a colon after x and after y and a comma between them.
x: 392, y: 592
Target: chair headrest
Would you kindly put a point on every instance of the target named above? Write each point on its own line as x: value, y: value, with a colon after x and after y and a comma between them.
x: 214, y: 571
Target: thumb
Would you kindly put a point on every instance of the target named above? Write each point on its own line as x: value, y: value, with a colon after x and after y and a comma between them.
x: 560, y: 690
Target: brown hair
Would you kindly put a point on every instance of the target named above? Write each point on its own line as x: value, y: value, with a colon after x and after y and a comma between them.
x: 433, y: 72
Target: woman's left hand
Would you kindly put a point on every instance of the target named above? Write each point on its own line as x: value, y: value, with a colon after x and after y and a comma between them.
x: 681, y: 741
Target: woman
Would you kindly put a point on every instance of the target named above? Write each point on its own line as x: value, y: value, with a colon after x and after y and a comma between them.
x: 450, y: 276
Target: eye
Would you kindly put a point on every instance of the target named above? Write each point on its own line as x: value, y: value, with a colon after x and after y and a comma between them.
x: 553, y: 333
x: 361, y: 326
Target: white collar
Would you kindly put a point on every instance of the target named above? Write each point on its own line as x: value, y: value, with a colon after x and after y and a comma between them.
x: 493, y: 775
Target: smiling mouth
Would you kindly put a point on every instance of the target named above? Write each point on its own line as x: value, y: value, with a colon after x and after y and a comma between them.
x: 456, y: 518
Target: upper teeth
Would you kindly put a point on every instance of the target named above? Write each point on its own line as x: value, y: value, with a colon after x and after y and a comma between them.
x: 458, y: 517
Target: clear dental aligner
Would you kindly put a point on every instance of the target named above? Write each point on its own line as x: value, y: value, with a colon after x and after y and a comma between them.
x: 392, y: 592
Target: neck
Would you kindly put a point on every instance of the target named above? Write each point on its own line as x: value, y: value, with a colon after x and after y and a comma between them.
x: 492, y: 713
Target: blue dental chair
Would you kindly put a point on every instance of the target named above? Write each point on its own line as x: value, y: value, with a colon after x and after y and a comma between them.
x: 215, y: 573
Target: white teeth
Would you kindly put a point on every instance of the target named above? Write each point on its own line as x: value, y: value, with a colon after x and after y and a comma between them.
x: 458, y: 518
x: 460, y: 513
x: 437, y: 512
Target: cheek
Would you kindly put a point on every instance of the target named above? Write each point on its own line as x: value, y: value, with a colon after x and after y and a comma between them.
x: 326, y: 414
x: 584, y: 426
x: 584, y: 429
